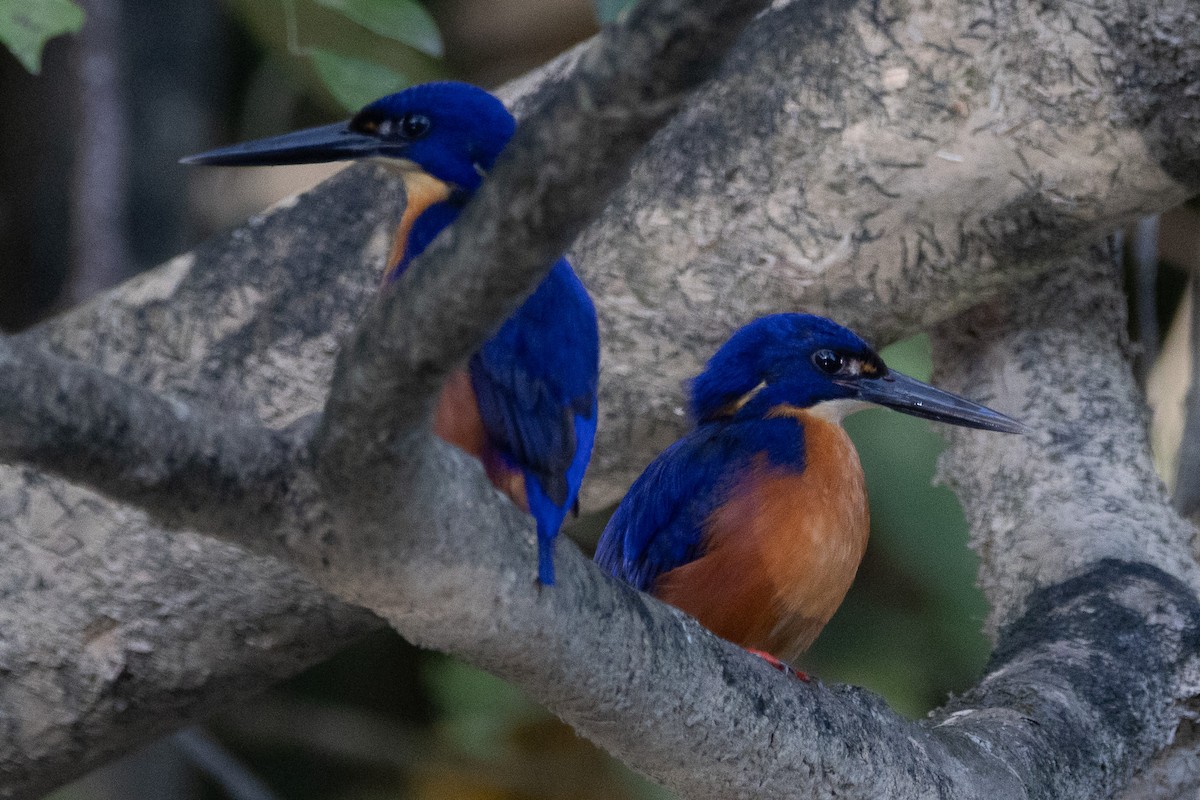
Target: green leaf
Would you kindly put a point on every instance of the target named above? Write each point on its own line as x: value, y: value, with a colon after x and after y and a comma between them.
x: 26, y: 26
x: 354, y: 82
x: 478, y: 709
x: 405, y: 21
x: 609, y: 10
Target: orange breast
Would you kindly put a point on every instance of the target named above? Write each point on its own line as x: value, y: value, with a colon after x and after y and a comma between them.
x: 781, y: 553
x: 421, y: 190
x: 456, y: 420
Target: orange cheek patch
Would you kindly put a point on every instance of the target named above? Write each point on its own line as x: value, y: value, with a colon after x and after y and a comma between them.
x: 782, y: 552
x: 421, y: 190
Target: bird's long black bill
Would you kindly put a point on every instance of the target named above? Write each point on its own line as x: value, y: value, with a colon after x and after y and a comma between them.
x: 902, y: 393
x: 310, y: 146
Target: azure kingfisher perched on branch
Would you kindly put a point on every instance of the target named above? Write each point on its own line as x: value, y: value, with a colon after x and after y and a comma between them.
x: 755, y: 522
x: 525, y: 405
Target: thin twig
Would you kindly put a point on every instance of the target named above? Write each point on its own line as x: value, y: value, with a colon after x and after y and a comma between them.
x: 1187, y: 479
x: 1145, y: 261
x: 212, y: 758
x: 99, y: 255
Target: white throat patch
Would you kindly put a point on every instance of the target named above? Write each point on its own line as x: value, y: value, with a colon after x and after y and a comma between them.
x: 836, y: 410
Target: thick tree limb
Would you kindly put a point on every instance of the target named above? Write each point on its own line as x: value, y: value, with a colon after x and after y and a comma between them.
x: 947, y: 151
x: 777, y: 187
x: 1055, y: 353
x: 1108, y: 503
x: 1086, y: 686
x: 112, y: 631
x: 1046, y: 507
x: 180, y: 464
x: 1096, y: 422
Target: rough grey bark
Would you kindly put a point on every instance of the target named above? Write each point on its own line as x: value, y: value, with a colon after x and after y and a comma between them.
x: 1055, y: 353
x: 889, y: 164
x: 111, y: 630
x: 777, y: 187
x: 1083, y: 488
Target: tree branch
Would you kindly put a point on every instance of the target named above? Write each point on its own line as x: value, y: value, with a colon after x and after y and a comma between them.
x: 778, y: 186
x: 102, y: 608
x: 1045, y: 507
x: 1086, y: 685
x: 181, y: 464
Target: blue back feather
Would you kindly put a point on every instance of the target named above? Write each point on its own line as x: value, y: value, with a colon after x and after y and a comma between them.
x: 536, y: 375
x: 660, y: 524
x: 536, y: 383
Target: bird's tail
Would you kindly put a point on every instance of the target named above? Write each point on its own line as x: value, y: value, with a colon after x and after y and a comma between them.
x: 550, y: 515
x: 549, y: 518
x: 546, y: 559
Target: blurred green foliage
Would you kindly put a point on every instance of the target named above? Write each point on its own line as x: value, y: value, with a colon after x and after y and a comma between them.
x: 609, y: 10
x: 489, y: 721
x: 404, y: 21
x: 352, y: 81
x: 355, y: 82
x: 347, y: 52
x: 26, y: 26
x: 477, y: 709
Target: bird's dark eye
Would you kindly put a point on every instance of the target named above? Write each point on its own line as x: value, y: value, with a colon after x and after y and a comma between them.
x: 413, y: 126
x: 828, y: 361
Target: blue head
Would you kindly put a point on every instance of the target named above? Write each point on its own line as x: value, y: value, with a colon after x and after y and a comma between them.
x: 452, y: 131
x: 801, y: 361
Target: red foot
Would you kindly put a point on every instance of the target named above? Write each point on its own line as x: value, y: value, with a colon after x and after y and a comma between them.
x: 786, y: 669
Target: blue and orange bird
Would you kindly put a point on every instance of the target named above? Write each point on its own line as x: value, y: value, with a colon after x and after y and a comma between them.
x: 755, y: 522
x: 525, y: 405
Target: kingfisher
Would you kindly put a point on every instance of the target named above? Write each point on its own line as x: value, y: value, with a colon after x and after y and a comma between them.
x: 525, y: 404
x: 755, y: 522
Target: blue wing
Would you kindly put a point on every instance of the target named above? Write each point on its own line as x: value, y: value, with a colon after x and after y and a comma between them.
x: 536, y: 385
x: 660, y: 524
